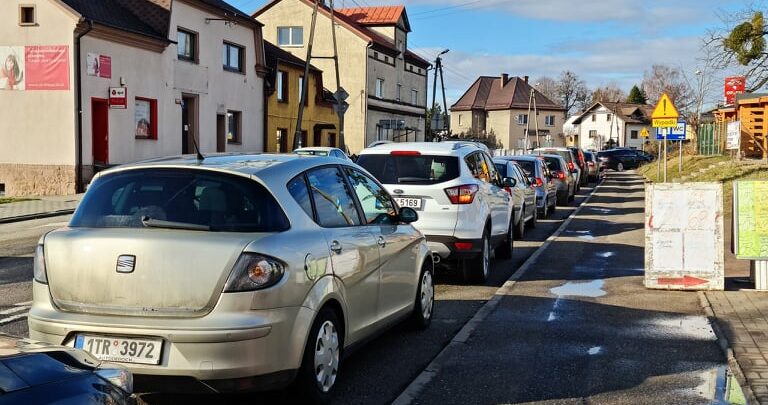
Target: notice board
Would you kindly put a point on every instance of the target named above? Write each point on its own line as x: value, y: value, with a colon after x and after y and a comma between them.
x: 750, y: 220
x: 684, y: 236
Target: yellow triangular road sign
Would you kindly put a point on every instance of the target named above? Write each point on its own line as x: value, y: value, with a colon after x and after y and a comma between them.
x: 665, y: 108
x: 644, y: 133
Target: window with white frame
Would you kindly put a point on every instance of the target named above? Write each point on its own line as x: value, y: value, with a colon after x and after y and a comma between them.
x: 379, y: 89
x: 549, y: 120
x: 592, y: 133
x: 633, y: 134
x: 414, y: 97
x: 290, y: 36
x: 281, y: 86
x: 522, y: 119
x: 460, y: 120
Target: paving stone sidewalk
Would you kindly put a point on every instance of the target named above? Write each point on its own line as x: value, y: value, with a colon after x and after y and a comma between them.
x: 38, y: 207
x: 742, y: 316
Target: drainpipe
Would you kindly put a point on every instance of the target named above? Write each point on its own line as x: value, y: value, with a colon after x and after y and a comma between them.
x: 364, y: 96
x: 79, y: 187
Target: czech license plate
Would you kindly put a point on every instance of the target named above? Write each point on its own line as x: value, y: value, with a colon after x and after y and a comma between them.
x: 121, y: 349
x: 414, y: 203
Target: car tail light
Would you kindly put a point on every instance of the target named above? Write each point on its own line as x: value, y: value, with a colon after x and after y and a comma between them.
x: 570, y: 166
x: 462, y: 194
x: 463, y: 245
x: 509, y: 190
x: 559, y: 175
x: 539, y: 182
x: 39, y: 265
x: 405, y: 153
x: 254, y: 272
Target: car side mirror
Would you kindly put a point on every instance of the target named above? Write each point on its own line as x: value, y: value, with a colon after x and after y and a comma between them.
x: 408, y: 215
x: 509, y: 182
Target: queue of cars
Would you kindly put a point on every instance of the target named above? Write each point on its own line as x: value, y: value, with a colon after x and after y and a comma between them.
x: 253, y: 272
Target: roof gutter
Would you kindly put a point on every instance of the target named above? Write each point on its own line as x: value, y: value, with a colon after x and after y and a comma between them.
x: 79, y: 186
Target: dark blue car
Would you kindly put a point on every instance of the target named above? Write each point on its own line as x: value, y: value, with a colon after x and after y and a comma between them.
x: 38, y: 373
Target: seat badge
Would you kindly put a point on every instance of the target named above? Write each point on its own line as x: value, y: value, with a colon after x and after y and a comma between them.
x: 126, y: 263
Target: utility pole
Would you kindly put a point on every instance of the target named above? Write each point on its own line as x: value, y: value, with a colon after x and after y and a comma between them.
x: 535, y: 117
x: 528, y: 120
x: 340, y: 95
x: 438, y: 70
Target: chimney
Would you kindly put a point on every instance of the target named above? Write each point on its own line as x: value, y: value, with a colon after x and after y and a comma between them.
x: 525, y: 79
x: 504, y: 79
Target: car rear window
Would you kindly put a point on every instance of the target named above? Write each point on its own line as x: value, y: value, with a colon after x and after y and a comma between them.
x: 528, y: 167
x: 588, y: 155
x: 501, y: 168
x: 552, y: 163
x: 178, y: 198
x: 411, y: 169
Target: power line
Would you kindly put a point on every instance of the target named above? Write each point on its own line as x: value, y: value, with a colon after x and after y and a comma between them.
x: 446, y: 8
x: 445, y: 11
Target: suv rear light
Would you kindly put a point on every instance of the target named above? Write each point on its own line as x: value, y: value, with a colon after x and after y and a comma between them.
x: 253, y: 271
x: 539, y: 182
x: 39, y: 265
x: 558, y: 174
x: 464, y: 194
x: 463, y: 245
x: 570, y: 166
x: 405, y: 153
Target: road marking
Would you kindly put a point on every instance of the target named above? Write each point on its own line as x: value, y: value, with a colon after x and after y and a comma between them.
x: 23, y: 304
x: 10, y: 319
x: 415, y: 388
x: 13, y: 310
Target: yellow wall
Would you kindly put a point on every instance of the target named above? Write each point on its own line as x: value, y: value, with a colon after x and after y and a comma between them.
x: 283, y: 115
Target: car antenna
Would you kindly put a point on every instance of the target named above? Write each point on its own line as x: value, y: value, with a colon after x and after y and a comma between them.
x: 200, y: 156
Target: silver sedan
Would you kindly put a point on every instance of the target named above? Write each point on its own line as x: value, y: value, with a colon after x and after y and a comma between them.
x: 243, y: 272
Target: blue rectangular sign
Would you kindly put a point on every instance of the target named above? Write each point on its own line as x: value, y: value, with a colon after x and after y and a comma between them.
x: 673, y: 134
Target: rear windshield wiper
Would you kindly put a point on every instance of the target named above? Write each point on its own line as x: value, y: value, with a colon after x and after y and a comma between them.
x: 158, y: 223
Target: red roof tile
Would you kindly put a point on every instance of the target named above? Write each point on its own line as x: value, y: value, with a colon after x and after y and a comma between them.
x: 373, y: 15
x: 488, y: 93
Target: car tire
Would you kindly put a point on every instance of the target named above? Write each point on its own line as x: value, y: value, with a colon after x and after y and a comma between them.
x: 620, y: 167
x: 520, y: 225
x: 476, y: 269
x: 324, y: 334
x: 535, y: 218
x: 424, y: 305
x: 504, y: 251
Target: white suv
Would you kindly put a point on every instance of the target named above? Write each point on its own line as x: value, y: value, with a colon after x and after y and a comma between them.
x: 464, y: 210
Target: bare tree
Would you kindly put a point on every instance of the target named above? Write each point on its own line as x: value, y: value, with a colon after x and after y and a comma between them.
x: 666, y: 79
x: 740, y: 44
x: 571, y: 89
x: 548, y: 87
x: 610, y: 93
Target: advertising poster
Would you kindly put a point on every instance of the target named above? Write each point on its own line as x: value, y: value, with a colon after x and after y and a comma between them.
x: 12, y: 69
x: 142, y: 118
x: 750, y: 218
x: 734, y: 85
x: 733, y: 135
x: 99, y: 65
x: 47, y: 67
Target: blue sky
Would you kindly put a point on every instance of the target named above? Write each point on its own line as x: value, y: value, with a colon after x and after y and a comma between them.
x: 602, y: 41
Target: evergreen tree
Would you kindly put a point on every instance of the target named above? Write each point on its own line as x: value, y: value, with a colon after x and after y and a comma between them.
x: 636, y: 96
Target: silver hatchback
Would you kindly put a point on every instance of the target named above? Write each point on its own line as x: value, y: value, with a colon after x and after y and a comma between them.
x: 241, y: 271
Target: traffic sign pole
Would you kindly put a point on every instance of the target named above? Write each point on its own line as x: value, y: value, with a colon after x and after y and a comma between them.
x: 680, y: 161
x: 665, y: 156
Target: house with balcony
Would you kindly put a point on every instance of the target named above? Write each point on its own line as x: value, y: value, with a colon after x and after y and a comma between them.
x: 284, y: 80
x: 386, y: 82
x: 604, y: 125
x: 503, y: 107
x: 116, y: 81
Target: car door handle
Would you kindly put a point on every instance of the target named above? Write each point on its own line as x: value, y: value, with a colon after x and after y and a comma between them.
x: 336, y: 247
x: 381, y: 241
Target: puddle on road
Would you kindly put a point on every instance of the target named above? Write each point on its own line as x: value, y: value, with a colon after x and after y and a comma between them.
x: 586, y: 235
x: 720, y: 386
x: 603, y: 210
x: 591, y: 289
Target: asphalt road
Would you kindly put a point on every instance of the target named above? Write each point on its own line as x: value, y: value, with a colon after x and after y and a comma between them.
x: 579, y: 327
x: 374, y: 374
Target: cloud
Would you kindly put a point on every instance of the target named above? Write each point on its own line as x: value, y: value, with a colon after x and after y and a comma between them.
x: 597, y: 62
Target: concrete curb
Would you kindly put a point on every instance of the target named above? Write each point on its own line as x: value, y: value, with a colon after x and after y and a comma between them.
x: 725, y: 346
x: 20, y: 218
x: 416, y: 386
